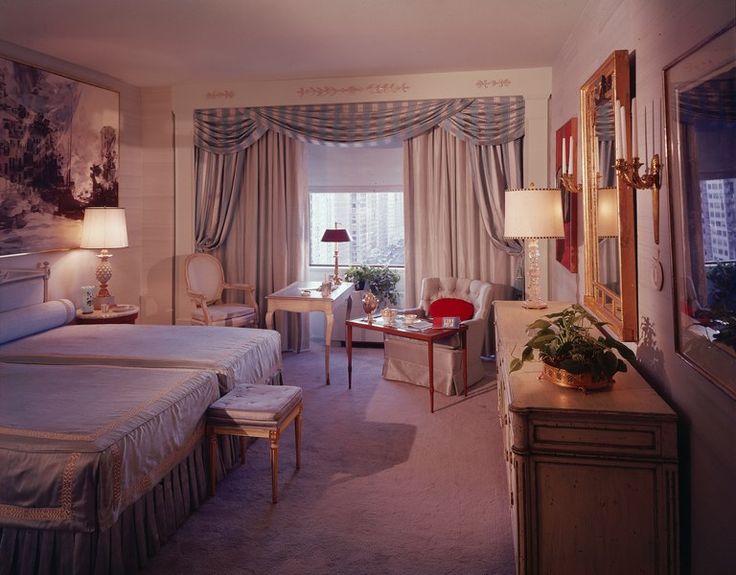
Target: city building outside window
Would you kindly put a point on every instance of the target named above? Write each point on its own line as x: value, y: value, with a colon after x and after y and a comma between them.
x: 360, y: 189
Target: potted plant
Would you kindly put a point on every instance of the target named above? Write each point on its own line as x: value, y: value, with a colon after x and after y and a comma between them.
x: 358, y: 275
x: 382, y: 281
x: 572, y: 356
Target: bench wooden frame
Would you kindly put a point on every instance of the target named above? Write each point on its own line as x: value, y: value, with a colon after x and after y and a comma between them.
x: 270, y: 432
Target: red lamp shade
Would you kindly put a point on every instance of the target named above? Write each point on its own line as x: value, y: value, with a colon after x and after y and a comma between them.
x: 336, y: 235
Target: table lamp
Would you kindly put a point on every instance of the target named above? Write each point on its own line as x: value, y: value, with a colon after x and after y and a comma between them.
x: 533, y: 214
x: 336, y: 235
x: 103, y: 229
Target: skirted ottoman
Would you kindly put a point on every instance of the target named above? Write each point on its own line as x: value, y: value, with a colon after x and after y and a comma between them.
x: 256, y: 411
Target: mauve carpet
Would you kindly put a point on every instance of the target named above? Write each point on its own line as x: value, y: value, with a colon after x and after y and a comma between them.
x: 385, y: 487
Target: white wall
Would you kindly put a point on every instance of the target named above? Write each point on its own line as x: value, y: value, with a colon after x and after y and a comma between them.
x: 659, y: 31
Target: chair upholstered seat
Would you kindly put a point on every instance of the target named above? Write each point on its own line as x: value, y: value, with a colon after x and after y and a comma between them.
x: 226, y: 314
x: 406, y: 360
x: 255, y: 404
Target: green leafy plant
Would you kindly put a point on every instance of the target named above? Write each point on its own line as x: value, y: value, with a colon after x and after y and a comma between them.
x: 358, y: 275
x: 564, y: 340
x: 380, y: 280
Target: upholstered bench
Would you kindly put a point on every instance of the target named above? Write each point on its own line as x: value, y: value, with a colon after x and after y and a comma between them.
x: 256, y: 411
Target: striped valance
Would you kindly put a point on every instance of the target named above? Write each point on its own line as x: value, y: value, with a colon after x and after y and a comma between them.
x: 482, y: 121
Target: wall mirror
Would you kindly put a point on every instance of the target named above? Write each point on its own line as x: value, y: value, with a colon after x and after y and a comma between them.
x: 608, y: 202
x: 700, y: 92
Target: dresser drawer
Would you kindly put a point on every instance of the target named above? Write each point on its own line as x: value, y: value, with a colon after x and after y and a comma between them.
x: 588, y: 436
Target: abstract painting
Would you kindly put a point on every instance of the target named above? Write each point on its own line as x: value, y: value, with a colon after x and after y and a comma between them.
x: 59, y: 149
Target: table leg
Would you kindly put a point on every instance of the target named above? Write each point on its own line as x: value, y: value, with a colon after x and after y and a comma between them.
x: 430, y: 362
x: 464, y: 341
x: 349, y: 345
x: 269, y: 319
x: 328, y: 342
x: 299, y: 332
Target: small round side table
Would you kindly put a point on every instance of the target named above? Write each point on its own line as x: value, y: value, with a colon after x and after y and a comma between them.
x: 124, y: 313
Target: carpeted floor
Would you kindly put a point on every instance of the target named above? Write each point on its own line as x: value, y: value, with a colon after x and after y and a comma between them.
x: 385, y: 487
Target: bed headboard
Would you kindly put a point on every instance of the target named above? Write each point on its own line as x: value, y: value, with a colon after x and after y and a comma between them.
x: 21, y: 287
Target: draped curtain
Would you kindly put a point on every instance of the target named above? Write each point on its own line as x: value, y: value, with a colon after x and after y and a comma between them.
x: 461, y: 154
x: 453, y: 216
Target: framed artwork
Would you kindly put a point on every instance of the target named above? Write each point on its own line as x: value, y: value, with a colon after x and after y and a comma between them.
x: 700, y: 100
x: 59, y: 150
x: 566, y: 250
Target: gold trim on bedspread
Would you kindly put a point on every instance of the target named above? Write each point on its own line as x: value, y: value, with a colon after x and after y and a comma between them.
x: 57, y: 474
x: 64, y: 512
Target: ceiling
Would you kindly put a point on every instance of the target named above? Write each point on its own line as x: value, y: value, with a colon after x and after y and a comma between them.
x: 165, y: 42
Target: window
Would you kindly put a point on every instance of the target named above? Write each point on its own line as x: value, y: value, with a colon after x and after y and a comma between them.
x: 362, y: 190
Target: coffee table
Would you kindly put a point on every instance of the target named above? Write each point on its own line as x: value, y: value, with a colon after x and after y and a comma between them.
x: 430, y: 336
x: 303, y: 297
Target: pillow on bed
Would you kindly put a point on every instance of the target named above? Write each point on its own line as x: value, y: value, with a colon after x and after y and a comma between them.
x: 23, y: 321
x: 452, y: 307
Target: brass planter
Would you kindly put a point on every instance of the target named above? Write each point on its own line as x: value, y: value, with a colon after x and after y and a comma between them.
x: 583, y: 381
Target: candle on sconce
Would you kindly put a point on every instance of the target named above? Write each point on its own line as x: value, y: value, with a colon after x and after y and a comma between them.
x: 617, y: 128
x: 564, y: 156
x: 646, y: 137
x: 570, y: 161
x: 635, y: 129
x: 622, y: 125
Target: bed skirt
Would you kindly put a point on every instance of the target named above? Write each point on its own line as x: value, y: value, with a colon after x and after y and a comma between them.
x: 127, y: 546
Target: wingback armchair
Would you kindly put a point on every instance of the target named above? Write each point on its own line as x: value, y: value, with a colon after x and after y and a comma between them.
x: 205, y: 283
x: 406, y: 360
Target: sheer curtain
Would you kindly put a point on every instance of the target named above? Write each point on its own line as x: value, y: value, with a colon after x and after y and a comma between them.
x: 266, y: 243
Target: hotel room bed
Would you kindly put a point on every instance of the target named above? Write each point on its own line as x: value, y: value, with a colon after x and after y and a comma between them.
x: 99, y: 464
x: 101, y: 432
x: 38, y: 334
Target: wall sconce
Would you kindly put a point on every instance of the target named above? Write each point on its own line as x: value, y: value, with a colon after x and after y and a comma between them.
x: 629, y: 171
x: 533, y: 214
x: 104, y: 228
x: 336, y: 235
x: 567, y: 178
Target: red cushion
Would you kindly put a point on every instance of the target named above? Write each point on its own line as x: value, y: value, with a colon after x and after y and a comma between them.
x: 451, y: 306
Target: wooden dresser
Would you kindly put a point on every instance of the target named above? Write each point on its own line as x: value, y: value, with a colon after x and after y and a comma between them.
x: 592, y: 477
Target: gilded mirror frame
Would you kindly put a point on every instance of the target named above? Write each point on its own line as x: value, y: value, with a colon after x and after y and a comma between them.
x: 617, y: 307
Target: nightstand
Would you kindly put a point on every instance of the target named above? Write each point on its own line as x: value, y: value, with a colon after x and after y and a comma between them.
x: 124, y: 313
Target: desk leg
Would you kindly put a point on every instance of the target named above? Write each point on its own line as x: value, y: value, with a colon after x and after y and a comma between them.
x: 464, y: 341
x: 269, y: 319
x: 328, y: 342
x: 349, y: 344
x: 430, y: 363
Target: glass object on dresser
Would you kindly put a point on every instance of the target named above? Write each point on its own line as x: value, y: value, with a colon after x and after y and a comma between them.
x: 700, y: 93
x: 608, y: 201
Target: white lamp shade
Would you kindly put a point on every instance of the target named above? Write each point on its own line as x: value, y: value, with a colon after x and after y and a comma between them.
x: 104, y: 228
x: 607, y: 208
x: 533, y: 213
